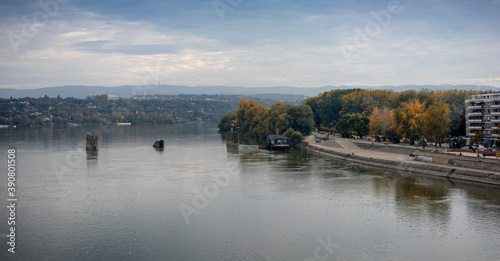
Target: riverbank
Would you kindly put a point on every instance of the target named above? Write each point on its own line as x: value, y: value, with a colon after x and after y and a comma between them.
x: 398, y: 159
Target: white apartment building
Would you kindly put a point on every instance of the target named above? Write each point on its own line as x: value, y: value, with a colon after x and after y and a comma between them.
x: 482, y: 113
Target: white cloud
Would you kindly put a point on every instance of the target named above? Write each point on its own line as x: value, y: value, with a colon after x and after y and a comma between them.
x: 286, y: 46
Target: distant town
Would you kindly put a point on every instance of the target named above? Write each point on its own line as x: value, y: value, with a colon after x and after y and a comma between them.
x: 139, y: 109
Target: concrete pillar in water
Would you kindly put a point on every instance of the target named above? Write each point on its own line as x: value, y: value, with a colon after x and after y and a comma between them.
x: 92, y: 141
x: 232, y: 138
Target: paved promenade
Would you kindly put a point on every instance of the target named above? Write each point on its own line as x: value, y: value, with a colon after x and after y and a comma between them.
x: 344, y: 149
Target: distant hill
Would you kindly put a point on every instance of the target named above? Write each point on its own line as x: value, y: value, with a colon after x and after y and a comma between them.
x: 79, y: 91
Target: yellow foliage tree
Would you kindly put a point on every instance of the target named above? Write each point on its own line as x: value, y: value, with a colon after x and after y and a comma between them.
x: 381, y: 121
x: 409, y: 119
x: 437, y: 121
x: 248, y: 110
x: 478, y: 137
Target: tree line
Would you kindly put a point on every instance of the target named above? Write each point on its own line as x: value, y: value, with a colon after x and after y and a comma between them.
x: 411, y: 114
x: 97, y: 110
x: 256, y: 121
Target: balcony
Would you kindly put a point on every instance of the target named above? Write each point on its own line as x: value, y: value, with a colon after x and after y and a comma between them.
x: 475, y: 127
x: 476, y: 120
x: 475, y: 114
x: 475, y: 107
x: 495, y: 113
x: 495, y: 106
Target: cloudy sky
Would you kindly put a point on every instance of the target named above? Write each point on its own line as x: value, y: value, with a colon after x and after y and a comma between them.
x: 252, y: 43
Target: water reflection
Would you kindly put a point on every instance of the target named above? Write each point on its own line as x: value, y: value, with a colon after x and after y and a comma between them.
x: 273, y: 207
x: 419, y: 201
x: 92, y: 155
x: 422, y: 202
x: 416, y: 199
x: 232, y: 148
x: 110, y: 136
x: 295, y: 160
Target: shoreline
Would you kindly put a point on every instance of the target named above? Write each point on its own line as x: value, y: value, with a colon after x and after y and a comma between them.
x: 346, y: 150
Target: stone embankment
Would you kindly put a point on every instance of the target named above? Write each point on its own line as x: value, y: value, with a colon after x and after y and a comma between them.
x: 397, y: 157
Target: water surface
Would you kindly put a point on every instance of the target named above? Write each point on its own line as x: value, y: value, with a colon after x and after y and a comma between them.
x: 199, y: 199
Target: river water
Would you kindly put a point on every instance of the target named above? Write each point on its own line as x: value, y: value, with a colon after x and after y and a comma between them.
x: 199, y: 199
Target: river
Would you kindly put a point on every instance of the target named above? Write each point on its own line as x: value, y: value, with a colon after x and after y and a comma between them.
x: 199, y: 199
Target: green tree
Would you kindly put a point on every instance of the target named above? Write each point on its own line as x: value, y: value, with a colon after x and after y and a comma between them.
x: 294, y: 136
x: 351, y: 103
x: 224, y: 124
x: 327, y: 106
x: 301, y: 118
x: 353, y: 124
x: 277, y: 118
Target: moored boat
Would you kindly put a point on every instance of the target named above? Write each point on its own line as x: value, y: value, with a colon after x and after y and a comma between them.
x: 277, y: 142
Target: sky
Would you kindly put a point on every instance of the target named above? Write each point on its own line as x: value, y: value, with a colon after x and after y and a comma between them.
x: 250, y: 43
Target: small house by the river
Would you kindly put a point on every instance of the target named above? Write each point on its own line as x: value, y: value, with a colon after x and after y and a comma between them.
x: 277, y: 142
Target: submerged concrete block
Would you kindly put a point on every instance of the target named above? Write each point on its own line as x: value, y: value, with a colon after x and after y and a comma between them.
x: 92, y: 141
x: 159, y: 144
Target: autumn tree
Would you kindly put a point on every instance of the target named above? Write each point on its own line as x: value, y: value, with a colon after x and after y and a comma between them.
x: 257, y: 128
x: 409, y: 119
x: 382, y: 121
x: 351, y: 103
x: 246, y: 113
x: 398, y: 98
x: 277, y: 118
x: 257, y: 121
x: 478, y: 137
x: 437, y: 121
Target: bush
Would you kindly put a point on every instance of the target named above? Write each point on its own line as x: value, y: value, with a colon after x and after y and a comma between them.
x: 294, y: 136
x: 225, y: 123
